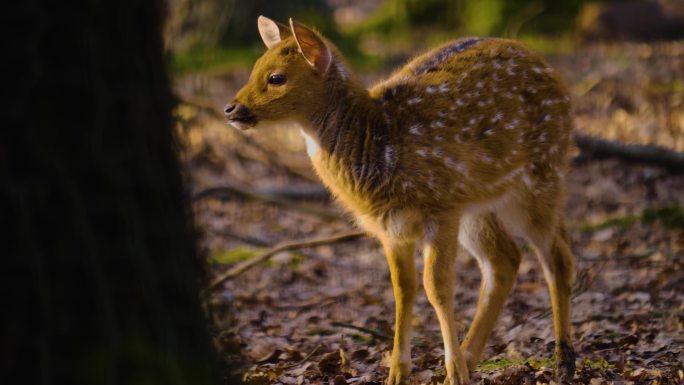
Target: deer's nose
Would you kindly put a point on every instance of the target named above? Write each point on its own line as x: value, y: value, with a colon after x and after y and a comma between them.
x: 229, y: 108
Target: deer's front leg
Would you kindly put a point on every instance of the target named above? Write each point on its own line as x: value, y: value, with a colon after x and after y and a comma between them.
x: 404, y: 281
x: 438, y: 280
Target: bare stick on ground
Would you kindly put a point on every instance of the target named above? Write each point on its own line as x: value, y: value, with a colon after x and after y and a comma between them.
x: 285, y: 246
x: 231, y: 191
x: 374, y: 333
x: 594, y: 147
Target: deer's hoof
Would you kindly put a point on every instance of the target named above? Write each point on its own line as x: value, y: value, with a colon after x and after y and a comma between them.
x: 457, y: 372
x: 399, y: 373
x: 565, y: 361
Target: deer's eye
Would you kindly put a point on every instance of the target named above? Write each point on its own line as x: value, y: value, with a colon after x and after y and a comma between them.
x: 276, y: 79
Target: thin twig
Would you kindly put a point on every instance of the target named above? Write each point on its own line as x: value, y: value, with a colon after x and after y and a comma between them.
x: 374, y: 333
x: 319, y: 300
x: 285, y: 246
x: 303, y: 360
x: 580, y: 287
x: 244, y: 192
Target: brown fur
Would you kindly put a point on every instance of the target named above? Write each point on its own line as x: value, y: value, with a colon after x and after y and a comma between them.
x: 466, y: 143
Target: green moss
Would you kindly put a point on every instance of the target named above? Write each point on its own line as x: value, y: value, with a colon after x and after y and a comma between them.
x: 671, y: 217
x: 504, y: 362
x: 361, y: 338
x: 535, y: 363
x: 237, y: 254
x: 619, y: 222
x: 600, y: 363
x: 296, y: 260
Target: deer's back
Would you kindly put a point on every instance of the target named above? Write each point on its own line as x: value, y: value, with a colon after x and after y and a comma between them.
x: 473, y: 117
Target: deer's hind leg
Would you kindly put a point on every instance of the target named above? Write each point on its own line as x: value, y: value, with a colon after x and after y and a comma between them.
x: 485, y: 238
x: 542, y: 227
x: 558, y: 265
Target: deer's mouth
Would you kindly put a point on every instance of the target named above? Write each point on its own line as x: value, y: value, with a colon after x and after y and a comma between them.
x: 240, y: 116
x: 243, y: 122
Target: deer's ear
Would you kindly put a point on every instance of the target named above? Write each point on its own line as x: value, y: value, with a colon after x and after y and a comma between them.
x: 271, y: 32
x: 315, y: 51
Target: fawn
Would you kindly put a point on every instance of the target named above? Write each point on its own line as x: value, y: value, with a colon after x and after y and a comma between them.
x: 465, y: 144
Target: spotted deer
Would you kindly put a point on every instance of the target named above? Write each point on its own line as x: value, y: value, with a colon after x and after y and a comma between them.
x: 466, y: 144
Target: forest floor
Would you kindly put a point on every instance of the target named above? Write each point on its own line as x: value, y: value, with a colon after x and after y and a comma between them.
x: 325, y: 314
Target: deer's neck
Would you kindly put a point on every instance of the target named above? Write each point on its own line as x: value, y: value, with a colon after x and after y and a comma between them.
x: 352, y: 133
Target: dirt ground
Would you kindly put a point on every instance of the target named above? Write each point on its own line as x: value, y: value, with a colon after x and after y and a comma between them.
x: 325, y: 314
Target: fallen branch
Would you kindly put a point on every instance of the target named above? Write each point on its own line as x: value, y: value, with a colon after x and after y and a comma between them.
x: 299, y: 192
x: 595, y: 147
x: 230, y: 191
x: 374, y: 333
x: 285, y: 246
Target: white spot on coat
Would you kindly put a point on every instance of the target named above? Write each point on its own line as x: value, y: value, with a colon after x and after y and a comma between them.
x: 414, y: 100
x: 437, y: 124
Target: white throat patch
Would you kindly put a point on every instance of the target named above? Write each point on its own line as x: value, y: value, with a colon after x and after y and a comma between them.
x: 311, y: 145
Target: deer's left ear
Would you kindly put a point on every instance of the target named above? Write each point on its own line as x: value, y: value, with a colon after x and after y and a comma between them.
x: 312, y: 46
x: 271, y: 32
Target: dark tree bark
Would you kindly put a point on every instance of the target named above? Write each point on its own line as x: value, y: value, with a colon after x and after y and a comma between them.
x: 101, y: 272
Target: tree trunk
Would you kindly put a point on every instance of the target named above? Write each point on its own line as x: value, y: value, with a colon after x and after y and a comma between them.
x: 101, y: 268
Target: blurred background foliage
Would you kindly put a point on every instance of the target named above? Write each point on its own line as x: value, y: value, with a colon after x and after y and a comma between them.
x: 220, y: 33
x: 215, y: 34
